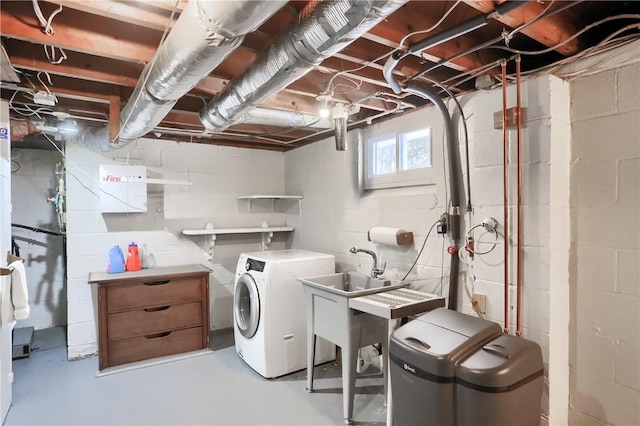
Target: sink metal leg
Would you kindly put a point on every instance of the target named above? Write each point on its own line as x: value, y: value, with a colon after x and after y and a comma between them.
x: 311, y: 356
x: 349, y: 360
x: 391, y: 326
x: 385, y: 372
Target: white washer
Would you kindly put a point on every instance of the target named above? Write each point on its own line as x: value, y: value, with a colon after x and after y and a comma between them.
x: 270, y: 324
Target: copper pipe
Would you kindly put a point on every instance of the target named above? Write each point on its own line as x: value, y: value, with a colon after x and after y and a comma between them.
x: 505, y: 177
x: 519, y: 196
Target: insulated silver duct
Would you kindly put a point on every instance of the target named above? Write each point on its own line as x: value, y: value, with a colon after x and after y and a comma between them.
x: 206, y: 32
x: 288, y: 119
x: 329, y: 28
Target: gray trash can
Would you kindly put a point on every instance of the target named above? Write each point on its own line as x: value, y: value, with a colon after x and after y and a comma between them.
x: 423, y: 356
x: 501, y: 384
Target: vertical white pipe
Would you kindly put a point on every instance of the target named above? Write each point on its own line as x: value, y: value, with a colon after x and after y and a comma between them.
x: 6, y: 374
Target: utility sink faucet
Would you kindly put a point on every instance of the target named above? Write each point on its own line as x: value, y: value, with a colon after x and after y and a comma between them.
x: 375, y: 272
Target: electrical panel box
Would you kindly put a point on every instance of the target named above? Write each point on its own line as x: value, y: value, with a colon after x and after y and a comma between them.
x: 123, y: 188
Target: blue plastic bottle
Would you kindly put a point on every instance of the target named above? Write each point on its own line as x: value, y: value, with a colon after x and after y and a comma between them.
x: 116, y: 260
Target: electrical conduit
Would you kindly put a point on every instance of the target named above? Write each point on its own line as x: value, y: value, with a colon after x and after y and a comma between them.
x: 455, y: 171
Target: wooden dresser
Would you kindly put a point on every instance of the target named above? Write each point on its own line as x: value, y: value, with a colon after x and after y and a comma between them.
x: 151, y: 313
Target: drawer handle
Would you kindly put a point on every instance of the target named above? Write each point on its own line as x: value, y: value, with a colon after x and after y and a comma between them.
x: 157, y: 335
x: 159, y: 308
x: 161, y: 282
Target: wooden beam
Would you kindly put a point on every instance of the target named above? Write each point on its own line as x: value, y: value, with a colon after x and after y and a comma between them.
x: 549, y: 31
x: 137, y: 13
x: 31, y: 56
x: 114, y: 118
x: 403, y: 22
x: 422, y: 55
x: 80, y: 32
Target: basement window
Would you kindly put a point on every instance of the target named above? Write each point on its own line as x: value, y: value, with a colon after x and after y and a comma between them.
x: 399, y: 159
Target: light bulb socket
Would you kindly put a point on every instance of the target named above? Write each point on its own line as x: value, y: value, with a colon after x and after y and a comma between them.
x: 324, y: 110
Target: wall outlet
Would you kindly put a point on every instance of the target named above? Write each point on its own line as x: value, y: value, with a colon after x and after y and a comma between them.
x: 482, y: 301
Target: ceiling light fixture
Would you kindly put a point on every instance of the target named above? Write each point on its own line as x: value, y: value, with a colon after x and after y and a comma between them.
x: 324, y: 105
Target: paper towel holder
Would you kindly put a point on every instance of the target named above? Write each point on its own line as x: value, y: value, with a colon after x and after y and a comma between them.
x: 402, y: 237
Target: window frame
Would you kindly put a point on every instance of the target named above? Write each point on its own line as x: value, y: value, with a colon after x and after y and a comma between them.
x: 400, y: 178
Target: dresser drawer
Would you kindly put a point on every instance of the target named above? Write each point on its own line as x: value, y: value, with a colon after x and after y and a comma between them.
x: 153, y: 345
x: 154, y: 293
x: 153, y: 320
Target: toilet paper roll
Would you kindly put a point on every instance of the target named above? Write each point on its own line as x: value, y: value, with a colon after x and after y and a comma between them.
x: 390, y: 236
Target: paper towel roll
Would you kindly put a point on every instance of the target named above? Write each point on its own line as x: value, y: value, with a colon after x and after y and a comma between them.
x: 390, y: 236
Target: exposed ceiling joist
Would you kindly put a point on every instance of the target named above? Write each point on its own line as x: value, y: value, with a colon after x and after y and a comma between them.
x: 548, y: 32
x: 108, y: 43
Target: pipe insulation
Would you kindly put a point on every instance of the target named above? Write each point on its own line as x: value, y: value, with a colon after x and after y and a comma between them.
x: 206, y: 32
x: 330, y: 27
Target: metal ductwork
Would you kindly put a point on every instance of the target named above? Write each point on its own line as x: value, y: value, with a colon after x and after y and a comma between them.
x: 206, y: 32
x: 329, y: 28
x: 340, y: 118
x: 288, y: 119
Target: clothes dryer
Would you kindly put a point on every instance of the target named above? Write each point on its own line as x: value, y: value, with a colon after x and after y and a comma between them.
x: 270, y: 327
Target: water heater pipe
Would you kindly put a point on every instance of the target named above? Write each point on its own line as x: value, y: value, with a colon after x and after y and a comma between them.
x: 505, y: 189
x: 519, y: 196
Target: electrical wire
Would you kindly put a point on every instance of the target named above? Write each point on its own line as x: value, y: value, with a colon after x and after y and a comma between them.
x: 473, y: 72
x: 17, y: 166
x: 577, y: 34
x: 433, y: 27
x: 605, y: 45
x: 27, y: 111
x: 45, y: 23
x: 44, y: 85
x: 327, y: 89
x: 38, y: 230
x: 51, y: 56
x: 616, y: 43
x: 469, y: 293
x: 81, y: 181
x: 421, y: 250
x: 526, y: 24
x: 489, y: 229
x: 399, y: 46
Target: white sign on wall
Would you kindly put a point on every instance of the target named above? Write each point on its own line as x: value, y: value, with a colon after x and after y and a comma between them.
x: 123, y: 188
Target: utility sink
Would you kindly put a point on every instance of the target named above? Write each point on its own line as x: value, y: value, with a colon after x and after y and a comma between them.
x: 330, y: 317
x: 351, y: 284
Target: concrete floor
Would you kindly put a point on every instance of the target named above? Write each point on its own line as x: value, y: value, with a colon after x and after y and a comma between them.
x: 216, y: 388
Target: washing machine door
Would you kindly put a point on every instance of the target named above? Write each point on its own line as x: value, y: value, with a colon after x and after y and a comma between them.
x: 246, y: 307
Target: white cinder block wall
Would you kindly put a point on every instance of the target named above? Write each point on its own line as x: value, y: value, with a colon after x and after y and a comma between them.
x: 600, y: 207
x: 219, y: 175
x: 31, y: 184
x: 335, y: 216
x: 605, y: 284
